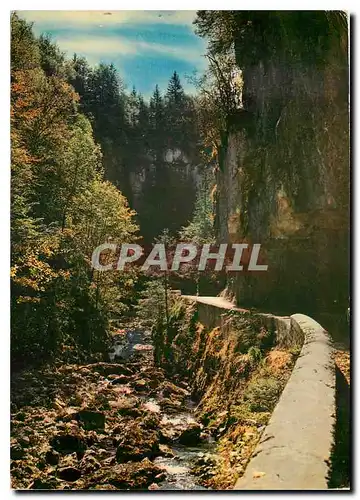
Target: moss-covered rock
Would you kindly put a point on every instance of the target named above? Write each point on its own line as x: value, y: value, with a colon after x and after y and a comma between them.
x: 136, y: 443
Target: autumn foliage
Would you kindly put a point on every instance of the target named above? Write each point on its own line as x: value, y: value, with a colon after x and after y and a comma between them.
x: 61, y: 209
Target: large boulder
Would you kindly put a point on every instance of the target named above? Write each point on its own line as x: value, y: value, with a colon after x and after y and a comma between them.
x: 68, y: 443
x: 91, y: 419
x: 136, y: 443
x: 69, y: 474
x: 130, y: 476
x: 191, y: 435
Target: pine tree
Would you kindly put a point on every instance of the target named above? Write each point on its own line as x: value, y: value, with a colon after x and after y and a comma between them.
x: 175, y: 94
x: 201, y: 228
x: 24, y: 48
x: 79, y: 78
x: 157, y: 110
x: 52, y: 60
x: 143, y: 116
x: 180, y: 115
x: 132, y: 109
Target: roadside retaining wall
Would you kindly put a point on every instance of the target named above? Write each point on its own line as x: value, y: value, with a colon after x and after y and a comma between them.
x: 294, y: 450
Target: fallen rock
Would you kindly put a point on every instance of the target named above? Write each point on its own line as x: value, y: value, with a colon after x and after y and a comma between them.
x: 70, y: 474
x: 130, y: 476
x: 43, y: 484
x: 167, y: 436
x: 170, y: 406
x: 68, y: 460
x: 136, y: 443
x: 91, y: 419
x: 191, y: 435
x: 119, y: 379
x: 68, y: 443
x: 89, y: 464
x: 24, y: 441
x: 141, y: 385
x: 161, y: 476
x: 170, y: 390
x: 52, y: 457
x: 150, y: 421
x: 107, y: 369
x: 166, y: 451
x: 128, y: 407
x: 16, y: 452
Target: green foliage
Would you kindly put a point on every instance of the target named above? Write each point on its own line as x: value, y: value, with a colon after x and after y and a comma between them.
x: 76, y: 137
x: 151, y: 307
x: 255, y: 355
x: 52, y: 60
x: 102, y: 100
x: 252, y: 335
x: 155, y: 312
x: 138, y: 141
x: 61, y: 209
x: 262, y: 394
x: 201, y: 228
x: 24, y: 49
x: 156, y: 296
x: 218, y: 104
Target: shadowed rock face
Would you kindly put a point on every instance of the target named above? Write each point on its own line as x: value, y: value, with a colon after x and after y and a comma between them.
x: 283, y: 180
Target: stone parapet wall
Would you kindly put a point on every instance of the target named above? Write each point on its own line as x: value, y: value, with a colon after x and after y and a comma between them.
x: 294, y: 450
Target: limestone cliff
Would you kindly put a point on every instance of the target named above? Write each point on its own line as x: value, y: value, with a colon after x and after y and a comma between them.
x: 283, y: 178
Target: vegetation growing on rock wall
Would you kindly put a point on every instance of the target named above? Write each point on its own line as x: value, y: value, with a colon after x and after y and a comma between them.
x: 284, y: 172
x: 292, y: 76
x: 237, y: 373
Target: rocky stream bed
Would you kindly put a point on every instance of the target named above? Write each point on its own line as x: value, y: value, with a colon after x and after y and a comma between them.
x: 125, y: 425
x: 107, y: 426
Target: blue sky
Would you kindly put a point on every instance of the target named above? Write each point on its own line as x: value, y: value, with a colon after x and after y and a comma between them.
x: 145, y: 46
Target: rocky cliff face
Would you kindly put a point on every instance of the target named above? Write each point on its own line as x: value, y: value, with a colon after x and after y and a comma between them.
x: 283, y: 179
x: 163, y: 191
x: 174, y: 159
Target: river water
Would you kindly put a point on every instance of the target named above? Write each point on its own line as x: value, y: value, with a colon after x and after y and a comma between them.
x: 180, y: 460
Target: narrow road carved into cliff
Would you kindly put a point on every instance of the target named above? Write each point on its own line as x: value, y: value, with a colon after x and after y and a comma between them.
x: 215, y: 301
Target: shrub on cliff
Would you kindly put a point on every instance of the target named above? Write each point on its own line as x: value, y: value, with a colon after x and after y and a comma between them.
x: 263, y: 394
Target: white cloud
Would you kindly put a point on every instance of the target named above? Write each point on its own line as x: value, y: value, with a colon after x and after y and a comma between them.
x: 87, y: 19
x: 97, y: 45
x: 117, y: 45
x: 177, y: 52
x: 93, y: 34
